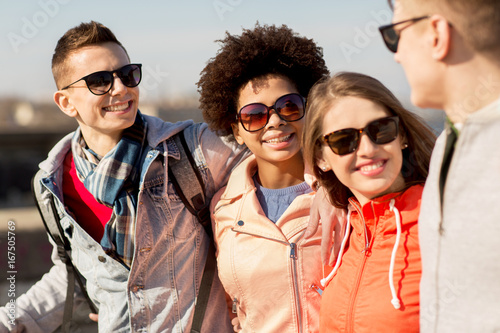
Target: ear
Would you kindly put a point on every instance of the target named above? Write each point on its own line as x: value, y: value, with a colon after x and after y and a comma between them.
x: 236, y: 133
x: 61, y: 98
x: 321, y: 162
x: 441, y: 42
x: 403, y: 140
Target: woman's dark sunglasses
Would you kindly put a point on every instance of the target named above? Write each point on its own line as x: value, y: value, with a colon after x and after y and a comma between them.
x: 346, y: 141
x: 99, y: 83
x: 255, y: 116
x: 391, y: 35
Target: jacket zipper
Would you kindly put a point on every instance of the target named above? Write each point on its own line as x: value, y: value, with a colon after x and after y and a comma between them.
x: 316, y: 288
x: 235, y: 305
x: 364, y: 254
x: 355, y: 294
x: 293, y: 256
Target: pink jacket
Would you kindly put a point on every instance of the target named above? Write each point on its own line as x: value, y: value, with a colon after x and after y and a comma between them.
x: 268, y: 270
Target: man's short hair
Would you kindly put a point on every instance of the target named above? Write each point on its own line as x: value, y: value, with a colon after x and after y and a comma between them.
x: 477, y: 21
x: 85, y: 34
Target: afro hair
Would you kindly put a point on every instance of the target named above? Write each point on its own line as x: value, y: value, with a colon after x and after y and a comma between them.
x: 265, y: 50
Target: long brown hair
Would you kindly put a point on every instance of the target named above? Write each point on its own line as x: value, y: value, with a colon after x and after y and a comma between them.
x: 413, y: 129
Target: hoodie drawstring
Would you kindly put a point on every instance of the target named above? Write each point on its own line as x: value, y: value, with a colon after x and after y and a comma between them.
x: 324, y: 281
x: 395, y: 300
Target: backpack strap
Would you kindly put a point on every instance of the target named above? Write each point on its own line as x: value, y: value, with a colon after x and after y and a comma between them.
x: 52, y: 224
x: 183, y: 173
x: 204, y: 291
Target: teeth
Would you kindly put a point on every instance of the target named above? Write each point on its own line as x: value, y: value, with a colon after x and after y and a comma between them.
x: 372, y: 166
x: 280, y: 139
x: 120, y: 107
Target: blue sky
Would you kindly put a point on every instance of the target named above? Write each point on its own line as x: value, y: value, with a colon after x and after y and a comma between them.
x: 174, y: 39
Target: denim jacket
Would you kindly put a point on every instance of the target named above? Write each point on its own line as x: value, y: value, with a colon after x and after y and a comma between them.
x: 158, y: 293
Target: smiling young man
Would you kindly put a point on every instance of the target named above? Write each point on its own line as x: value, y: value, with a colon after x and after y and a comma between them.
x: 450, y: 51
x: 141, y: 252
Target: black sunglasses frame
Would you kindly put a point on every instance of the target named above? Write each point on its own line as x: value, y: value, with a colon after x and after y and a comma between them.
x: 273, y: 107
x: 118, y: 74
x: 358, y: 132
x: 392, y: 42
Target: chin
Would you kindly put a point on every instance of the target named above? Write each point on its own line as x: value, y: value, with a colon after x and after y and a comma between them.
x: 417, y: 101
x: 424, y: 101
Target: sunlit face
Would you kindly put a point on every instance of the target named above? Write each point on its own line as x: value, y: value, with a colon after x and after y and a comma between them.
x: 108, y: 114
x: 415, y: 56
x: 372, y: 170
x: 279, y: 140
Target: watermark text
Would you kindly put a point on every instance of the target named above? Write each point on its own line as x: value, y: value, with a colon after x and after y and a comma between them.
x: 11, y: 271
x: 31, y: 26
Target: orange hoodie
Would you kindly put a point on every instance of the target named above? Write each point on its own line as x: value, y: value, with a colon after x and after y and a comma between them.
x: 364, y: 287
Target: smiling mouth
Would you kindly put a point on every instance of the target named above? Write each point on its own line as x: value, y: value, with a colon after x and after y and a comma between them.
x: 371, y: 167
x: 119, y: 107
x: 280, y: 139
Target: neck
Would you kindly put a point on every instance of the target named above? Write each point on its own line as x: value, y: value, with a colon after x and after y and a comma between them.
x: 472, y: 86
x: 101, y: 144
x: 281, y: 174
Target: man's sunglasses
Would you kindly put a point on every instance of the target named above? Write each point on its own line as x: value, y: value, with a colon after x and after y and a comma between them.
x: 346, y: 141
x: 255, y: 116
x: 99, y: 83
x: 391, y: 35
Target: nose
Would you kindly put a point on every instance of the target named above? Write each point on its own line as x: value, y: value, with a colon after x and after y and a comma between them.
x: 366, y: 147
x: 274, y: 119
x: 118, y: 87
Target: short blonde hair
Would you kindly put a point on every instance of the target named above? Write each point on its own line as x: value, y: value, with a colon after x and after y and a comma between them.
x: 477, y: 21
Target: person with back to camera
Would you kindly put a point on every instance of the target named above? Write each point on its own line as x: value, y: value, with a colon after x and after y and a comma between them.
x: 450, y: 52
x: 371, y: 156
x: 140, y: 250
x: 255, y: 89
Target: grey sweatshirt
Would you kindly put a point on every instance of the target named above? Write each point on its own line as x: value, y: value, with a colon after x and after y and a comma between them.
x: 460, y: 286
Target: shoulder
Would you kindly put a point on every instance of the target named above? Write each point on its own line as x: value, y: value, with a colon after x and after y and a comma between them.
x: 414, y: 192
x: 160, y: 130
x: 409, y: 202
x: 240, y: 182
x: 241, y: 178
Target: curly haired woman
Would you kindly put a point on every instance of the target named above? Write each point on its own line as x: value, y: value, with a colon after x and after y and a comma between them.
x: 254, y: 91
